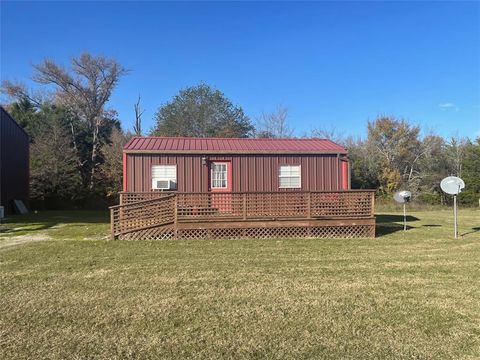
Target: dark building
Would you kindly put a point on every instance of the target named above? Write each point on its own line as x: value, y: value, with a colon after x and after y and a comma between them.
x: 14, y: 159
x: 234, y: 165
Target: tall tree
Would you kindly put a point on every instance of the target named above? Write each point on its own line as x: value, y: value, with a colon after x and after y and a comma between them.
x: 365, y: 169
x: 84, y: 89
x: 26, y: 113
x: 274, y: 124
x: 201, y: 111
x: 431, y: 168
x: 53, y: 162
x: 397, y: 144
x: 111, y: 170
x: 471, y: 172
x: 455, y: 153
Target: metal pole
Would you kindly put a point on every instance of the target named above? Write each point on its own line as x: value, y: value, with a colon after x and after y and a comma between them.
x: 455, y: 214
x: 404, y: 218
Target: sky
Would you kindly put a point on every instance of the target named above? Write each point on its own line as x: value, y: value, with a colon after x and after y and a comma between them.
x: 334, y: 65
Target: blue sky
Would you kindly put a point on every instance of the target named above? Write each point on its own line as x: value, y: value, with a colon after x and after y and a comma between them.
x: 335, y: 65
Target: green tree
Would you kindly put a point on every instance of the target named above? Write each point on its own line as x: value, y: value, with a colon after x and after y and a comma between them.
x: 201, y: 111
x: 54, y: 174
x: 471, y: 173
x: 26, y: 113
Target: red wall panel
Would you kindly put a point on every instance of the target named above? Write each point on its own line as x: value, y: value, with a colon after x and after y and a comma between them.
x: 250, y: 173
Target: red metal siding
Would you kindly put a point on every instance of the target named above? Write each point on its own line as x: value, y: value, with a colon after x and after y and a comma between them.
x: 250, y: 173
x: 345, y: 174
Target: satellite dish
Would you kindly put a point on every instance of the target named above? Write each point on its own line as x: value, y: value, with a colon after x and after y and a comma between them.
x: 402, y: 196
x: 452, y: 185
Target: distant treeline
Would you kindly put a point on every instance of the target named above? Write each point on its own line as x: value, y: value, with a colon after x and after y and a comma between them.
x: 76, y: 141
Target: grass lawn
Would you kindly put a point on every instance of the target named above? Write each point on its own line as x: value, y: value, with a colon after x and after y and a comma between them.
x: 68, y: 293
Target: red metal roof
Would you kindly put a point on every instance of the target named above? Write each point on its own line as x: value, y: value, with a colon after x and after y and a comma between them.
x: 179, y: 145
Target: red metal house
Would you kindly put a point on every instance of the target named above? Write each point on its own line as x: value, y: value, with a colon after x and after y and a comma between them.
x: 234, y: 165
x: 223, y: 187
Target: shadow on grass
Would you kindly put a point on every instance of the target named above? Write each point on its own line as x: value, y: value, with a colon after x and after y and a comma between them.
x: 43, y: 220
x: 6, y: 229
x: 388, y: 224
x: 474, y: 230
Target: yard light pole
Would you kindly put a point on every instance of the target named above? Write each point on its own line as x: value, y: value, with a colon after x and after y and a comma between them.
x: 455, y: 215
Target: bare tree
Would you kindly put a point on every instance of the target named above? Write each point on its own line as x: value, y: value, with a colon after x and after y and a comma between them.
x: 455, y: 152
x: 275, y: 124
x: 416, y: 169
x: 84, y: 89
x: 137, y: 127
x: 330, y: 133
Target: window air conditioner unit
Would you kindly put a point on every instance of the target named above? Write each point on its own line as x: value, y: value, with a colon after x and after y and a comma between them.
x: 164, y: 184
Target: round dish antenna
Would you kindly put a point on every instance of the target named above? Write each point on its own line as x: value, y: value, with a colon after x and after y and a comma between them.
x: 452, y: 185
x: 403, y: 197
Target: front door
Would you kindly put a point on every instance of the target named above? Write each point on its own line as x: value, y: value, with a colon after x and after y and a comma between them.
x: 221, y: 183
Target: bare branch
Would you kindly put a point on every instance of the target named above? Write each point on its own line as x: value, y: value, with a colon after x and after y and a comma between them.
x: 19, y: 91
x: 274, y: 125
x: 137, y: 127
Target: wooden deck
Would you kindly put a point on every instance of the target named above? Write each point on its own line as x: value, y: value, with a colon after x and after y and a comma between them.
x: 156, y: 215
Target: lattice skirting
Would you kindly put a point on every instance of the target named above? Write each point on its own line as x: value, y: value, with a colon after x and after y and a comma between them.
x: 342, y: 232
x: 159, y: 233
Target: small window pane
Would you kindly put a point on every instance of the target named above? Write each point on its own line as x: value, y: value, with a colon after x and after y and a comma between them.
x: 289, y: 176
x: 219, y: 175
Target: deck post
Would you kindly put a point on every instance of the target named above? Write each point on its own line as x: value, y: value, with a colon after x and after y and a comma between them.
x: 112, y: 225
x: 372, y: 194
x: 244, y: 200
x: 175, y: 217
x: 309, y: 205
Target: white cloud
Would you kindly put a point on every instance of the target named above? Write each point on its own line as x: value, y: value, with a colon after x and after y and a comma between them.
x: 446, y: 105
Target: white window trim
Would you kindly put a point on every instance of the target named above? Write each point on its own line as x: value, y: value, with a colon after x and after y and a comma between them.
x: 299, y: 177
x: 226, y: 175
x: 163, y: 179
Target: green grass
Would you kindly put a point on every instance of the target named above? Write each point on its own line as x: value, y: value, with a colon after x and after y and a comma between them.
x: 74, y: 295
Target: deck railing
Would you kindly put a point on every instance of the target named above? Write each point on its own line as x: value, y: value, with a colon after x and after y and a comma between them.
x: 173, y: 208
x: 142, y: 215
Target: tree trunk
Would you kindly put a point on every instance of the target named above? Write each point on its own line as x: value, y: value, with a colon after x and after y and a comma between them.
x: 94, y: 155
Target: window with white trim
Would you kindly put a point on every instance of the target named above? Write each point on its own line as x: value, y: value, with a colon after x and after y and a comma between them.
x: 289, y: 176
x: 164, y: 177
x: 219, y: 175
